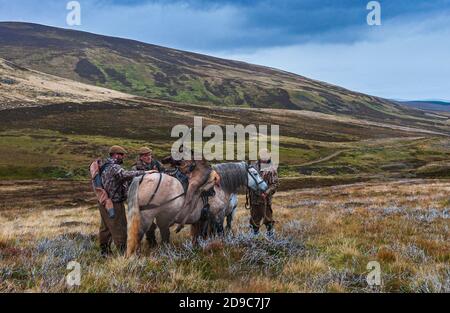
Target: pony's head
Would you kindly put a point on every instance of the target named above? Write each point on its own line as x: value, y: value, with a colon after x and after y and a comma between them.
x: 254, y: 181
x: 233, y: 176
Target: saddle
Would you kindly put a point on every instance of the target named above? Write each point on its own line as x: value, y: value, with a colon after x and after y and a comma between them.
x: 184, y: 180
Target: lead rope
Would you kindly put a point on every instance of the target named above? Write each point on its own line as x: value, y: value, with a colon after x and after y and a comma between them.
x: 270, y: 179
x: 248, y: 205
x: 247, y: 199
x: 247, y: 191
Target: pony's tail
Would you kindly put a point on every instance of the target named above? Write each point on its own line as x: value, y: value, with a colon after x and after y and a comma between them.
x: 134, y: 218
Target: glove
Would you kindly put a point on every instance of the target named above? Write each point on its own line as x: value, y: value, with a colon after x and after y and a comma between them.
x: 111, y: 213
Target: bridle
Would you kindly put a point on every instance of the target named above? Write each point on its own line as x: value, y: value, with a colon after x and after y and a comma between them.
x: 247, y: 190
x: 191, y: 168
x: 248, y: 167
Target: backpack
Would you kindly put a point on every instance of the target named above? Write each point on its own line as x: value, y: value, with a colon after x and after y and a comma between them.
x: 96, y: 169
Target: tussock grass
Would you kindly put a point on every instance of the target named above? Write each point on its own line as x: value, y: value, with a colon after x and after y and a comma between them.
x: 324, y: 239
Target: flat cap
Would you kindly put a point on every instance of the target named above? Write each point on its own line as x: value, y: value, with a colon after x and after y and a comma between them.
x: 144, y: 150
x: 117, y: 149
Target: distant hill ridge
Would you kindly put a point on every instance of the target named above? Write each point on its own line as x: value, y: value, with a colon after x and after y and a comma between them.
x: 432, y: 105
x: 162, y: 73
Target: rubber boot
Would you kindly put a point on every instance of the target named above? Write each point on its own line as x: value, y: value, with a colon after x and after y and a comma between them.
x: 105, y: 250
x: 270, y: 231
x: 255, y: 230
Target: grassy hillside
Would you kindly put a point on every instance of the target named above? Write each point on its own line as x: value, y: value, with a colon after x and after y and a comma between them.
x: 22, y: 87
x: 162, y: 73
x: 52, y: 128
x: 58, y: 141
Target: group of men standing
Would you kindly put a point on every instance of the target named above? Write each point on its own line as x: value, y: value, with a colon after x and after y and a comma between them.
x: 115, y: 180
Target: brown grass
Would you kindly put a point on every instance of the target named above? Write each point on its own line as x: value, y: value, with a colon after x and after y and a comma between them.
x: 325, y: 238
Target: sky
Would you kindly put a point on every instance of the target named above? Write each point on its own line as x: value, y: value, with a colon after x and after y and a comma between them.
x: 404, y: 58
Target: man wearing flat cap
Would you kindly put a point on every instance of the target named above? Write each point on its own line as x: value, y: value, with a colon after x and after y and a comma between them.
x: 146, y: 162
x: 261, y: 205
x: 115, y: 181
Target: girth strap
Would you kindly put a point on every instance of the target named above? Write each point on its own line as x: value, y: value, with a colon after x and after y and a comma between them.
x: 150, y: 205
x: 154, y: 206
x: 154, y: 192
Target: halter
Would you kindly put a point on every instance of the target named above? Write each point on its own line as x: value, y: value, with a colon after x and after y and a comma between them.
x: 253, y: 177
x: 247, y: 191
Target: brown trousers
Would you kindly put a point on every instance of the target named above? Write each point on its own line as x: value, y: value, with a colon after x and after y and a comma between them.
x: 261, y: 211
x: 114, y: 229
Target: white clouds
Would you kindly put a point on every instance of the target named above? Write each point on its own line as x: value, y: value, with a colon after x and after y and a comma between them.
x: 406, y: 57
x: 403, y: 59
x: 175, y: 24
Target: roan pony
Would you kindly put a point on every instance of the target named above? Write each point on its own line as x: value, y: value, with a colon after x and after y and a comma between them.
x: 161, y: 197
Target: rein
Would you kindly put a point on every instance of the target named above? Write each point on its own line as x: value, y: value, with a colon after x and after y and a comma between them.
x: 247, y: 199
x: 247, y: 190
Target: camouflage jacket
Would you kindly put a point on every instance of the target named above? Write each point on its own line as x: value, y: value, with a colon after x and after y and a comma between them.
x: 142, y: 166
x: 270, y: 176
x: 115, y: 180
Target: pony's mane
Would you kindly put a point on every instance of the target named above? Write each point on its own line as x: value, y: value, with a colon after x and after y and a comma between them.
x: 233, y: 176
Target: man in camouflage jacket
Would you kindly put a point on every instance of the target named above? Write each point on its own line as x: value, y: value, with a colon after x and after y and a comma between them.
x: 115, y: 181
x: 261, y: 205
x: 146, y: 162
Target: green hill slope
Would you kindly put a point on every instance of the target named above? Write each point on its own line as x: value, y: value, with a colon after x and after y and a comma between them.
x: 162, y: 73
